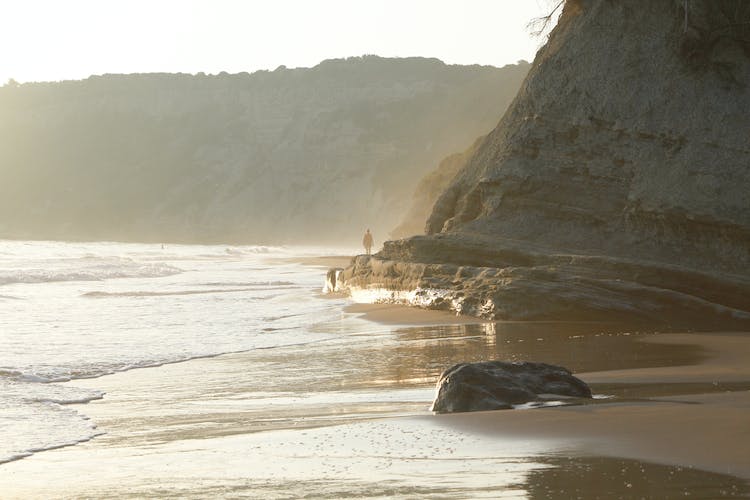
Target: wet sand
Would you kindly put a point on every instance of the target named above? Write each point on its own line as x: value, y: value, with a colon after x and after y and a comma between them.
x: 397, y: 314
x: 350, y: 418
x: 697, y: 428
x: 318, y: 261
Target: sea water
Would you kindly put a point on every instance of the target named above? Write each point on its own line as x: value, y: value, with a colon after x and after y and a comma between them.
x: 82, y: 310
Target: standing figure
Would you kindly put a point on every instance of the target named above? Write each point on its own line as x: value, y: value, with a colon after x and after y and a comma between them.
x: 367, y: 241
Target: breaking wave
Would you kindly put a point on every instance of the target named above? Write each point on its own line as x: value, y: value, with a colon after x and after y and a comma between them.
x: 48, y: 424
x: 85, y: 270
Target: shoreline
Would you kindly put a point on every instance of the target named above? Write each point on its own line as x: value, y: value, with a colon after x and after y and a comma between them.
x: 646, y: 429
x: 213, y: 420
x: 316, y: 260
x: 695, y: 420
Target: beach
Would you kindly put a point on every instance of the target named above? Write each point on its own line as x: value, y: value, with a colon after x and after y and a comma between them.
x: 246, y: 252
x: 348, y: 416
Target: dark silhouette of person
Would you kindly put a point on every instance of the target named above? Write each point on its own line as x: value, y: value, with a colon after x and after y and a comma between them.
x: 367, y: 241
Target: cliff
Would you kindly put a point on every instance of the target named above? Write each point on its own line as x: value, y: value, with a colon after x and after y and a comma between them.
x: 429, y: 189
x: 614, y: 187
x: 294, y: 155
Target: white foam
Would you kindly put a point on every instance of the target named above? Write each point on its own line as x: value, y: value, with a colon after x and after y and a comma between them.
x: 539, y: 404
x: 152, y: 307
x: 85, y: 270
x: 419, y: 297
x: 33, y: 418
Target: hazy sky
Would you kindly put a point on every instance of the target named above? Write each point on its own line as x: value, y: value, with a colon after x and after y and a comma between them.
x: 72, y: 39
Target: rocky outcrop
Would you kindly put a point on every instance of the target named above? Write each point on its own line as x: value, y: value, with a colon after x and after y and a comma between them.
x: 303, y: 155
x: 498, y: 385
x: 615, y: 186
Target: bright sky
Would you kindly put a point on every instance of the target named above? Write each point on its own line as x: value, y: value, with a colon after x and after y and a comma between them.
x: 43, y: 40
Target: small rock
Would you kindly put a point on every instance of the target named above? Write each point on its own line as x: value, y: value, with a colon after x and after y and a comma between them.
x: 334, y: 279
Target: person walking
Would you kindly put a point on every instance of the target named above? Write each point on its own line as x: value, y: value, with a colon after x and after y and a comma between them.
x: 367, y: 241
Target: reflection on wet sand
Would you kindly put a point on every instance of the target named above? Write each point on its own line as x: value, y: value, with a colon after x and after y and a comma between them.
x: 293, y: 421
x: 415, y: 356
x: 370, y: 375
x: 423, y: 352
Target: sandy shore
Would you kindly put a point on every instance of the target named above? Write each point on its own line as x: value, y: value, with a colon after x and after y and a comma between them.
x: 241, y: 424
x: 319, y: 261
x: 709, y: 431
x: 396, y: 314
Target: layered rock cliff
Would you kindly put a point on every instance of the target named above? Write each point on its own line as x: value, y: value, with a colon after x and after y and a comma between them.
x: 616, y: 186
x: 294, y: 155
x: 429, y: 190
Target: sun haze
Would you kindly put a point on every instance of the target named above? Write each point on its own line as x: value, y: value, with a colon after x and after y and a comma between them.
x: 48, y: 40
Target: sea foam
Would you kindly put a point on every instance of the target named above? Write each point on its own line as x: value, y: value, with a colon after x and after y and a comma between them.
x: 85, y: 310
x: 86, y: 270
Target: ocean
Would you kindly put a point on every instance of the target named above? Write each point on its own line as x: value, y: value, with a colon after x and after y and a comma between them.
x: 82, y: 310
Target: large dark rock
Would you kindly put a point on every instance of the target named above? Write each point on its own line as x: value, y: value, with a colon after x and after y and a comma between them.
x: 497, y: 385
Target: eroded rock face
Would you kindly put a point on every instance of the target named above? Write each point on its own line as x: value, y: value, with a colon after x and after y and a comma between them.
x: 614, y: 187
x: 498, y: 385
x: 429, y: 189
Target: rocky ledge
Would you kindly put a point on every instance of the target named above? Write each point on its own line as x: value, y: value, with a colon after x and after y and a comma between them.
x: 504, y: 280
x: 498, y: 385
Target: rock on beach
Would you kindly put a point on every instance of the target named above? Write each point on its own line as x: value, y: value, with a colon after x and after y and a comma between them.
x: 498, y: 385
